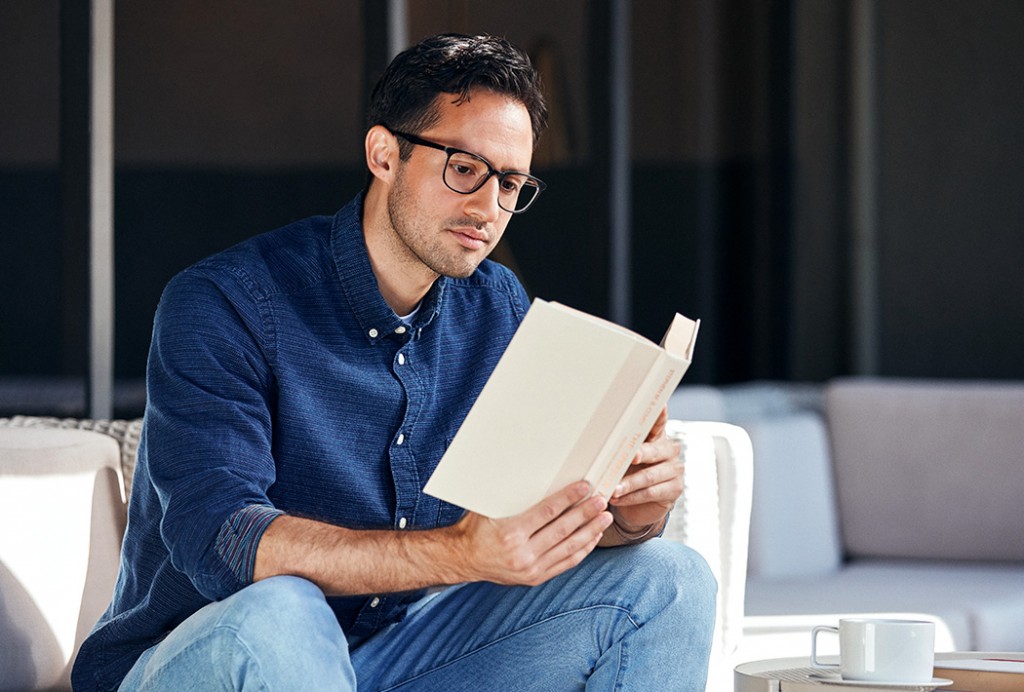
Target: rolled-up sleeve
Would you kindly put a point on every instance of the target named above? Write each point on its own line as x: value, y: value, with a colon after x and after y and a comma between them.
x: 208, y: 430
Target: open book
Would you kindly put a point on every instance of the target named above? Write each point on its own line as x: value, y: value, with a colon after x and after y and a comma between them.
x: 573, y: 397
x: 985, y: 673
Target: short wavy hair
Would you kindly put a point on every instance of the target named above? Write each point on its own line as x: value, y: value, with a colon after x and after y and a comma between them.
x: 405, y: 96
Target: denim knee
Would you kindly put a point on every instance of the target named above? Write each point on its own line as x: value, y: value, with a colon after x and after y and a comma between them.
x: 286, y: 621
x: 284, y: 608
x: 673, y: 575
x: 277, y: 634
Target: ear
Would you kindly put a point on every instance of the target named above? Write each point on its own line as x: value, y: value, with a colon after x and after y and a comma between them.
x: 381, y: 153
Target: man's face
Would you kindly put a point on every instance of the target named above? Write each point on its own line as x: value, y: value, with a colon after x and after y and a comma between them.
x: 448, y: 232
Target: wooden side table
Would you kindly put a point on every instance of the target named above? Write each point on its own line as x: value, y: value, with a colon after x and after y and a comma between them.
x: 790, y: 674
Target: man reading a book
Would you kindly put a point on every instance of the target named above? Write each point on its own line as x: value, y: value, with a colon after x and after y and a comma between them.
x: 301, y: 388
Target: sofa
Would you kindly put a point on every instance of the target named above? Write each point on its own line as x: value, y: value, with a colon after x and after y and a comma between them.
x: 64, y: 484
x: 880, y: 496
x: 62, y: 494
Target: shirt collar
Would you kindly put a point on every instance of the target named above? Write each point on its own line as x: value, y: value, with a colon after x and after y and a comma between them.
x: 375, y: 317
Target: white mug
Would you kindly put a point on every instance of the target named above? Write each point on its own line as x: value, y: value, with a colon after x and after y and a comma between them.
x: 881, y: 650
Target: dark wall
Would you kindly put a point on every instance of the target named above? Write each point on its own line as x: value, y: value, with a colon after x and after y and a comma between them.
x: 950, y: 216
x: 236, y: 117
x: 952, y: 206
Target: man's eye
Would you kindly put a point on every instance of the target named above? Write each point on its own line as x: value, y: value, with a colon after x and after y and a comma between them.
x: 462, y: 169
x: 510, y: 185
x: 465, y: 166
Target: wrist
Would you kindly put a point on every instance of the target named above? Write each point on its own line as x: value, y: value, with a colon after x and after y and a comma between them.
x: 449, y: 547
x: 632, y: 534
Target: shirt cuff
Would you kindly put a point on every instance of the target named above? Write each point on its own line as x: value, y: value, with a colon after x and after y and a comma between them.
x: 240, y: 536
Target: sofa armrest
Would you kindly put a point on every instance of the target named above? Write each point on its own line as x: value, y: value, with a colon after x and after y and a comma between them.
x: 713, y: 514
x: 127, y: 434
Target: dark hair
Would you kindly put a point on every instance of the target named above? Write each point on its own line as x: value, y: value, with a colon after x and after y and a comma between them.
x: 405, y: 97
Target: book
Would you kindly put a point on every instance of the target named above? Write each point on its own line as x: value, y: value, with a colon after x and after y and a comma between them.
x: 573, y: 397
x: 982, y: 674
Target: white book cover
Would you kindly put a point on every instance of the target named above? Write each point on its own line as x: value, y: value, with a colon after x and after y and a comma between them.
x: 572, y: 398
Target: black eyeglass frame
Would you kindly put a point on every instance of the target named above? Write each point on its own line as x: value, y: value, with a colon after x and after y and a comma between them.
x: 536, y: 182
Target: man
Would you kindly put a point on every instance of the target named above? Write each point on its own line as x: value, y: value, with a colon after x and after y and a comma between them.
x: 302, y: 387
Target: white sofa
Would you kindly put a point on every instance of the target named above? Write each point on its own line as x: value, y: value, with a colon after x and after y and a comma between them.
x: 63, y: 484
x: 62, y: 513
x: 881, y: 496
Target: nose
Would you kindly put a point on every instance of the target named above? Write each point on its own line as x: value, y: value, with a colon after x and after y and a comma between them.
x: 483, y: 203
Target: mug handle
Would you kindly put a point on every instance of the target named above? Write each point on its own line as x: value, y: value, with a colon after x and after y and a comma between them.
x: 814, y: 646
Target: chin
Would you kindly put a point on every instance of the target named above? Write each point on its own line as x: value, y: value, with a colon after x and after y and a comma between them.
x: 463, y: 273
x: 454, y: 269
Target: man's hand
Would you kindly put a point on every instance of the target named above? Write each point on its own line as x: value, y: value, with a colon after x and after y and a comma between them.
x: 541, y: 543
x: 650, y: 487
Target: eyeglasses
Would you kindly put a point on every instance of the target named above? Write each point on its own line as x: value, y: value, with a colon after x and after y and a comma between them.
x: 465, y: 173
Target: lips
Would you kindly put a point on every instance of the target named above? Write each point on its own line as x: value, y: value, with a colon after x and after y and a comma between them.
x: 470, y: 238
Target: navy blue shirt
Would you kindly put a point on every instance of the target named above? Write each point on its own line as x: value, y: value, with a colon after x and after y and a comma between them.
x: 279, y: 381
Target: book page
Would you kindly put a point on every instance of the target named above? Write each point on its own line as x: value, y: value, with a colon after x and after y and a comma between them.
x: 992, y: 665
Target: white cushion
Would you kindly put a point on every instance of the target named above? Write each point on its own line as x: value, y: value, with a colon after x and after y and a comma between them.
x: 793, y: 527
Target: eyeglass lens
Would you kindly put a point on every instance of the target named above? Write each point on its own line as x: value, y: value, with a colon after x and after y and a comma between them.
x: 466, y: 173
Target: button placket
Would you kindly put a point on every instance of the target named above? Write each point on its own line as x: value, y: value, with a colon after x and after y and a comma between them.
x: 404, y: 515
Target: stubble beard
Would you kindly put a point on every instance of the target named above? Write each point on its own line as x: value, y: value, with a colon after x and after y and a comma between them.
x: 423, y: 243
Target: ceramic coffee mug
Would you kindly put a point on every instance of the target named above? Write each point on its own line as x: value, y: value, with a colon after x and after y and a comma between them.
x: 881, y: 650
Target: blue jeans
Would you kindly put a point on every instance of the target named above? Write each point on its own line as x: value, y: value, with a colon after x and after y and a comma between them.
x: 634, y: 618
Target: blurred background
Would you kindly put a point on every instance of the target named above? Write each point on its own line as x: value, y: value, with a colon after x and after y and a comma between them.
x: 832, y: 186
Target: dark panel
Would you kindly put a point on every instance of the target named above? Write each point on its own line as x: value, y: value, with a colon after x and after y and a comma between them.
x: 951, y: 221
x: 167, y: 220
x: 31, y: 289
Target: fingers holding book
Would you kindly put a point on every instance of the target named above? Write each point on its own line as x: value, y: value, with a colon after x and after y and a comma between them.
x: 650, y: 488
x: 532, y: 547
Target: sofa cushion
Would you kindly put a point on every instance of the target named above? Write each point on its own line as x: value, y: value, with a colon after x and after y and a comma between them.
x: 999, y: 622
x: 929, y: 469
x: 793, y: 527
x: 771, y: 399
x: 982, y: 604
x: 697, y: 402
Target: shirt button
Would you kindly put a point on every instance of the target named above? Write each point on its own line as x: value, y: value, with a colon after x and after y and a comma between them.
x: 402, y: 523
x: 374, y: 333
x: 400, y: 330
x: 400, y: 440
x: 375, y: 602
x: 401, y: 359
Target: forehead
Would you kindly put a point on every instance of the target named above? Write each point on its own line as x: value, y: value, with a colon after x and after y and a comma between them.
x: 489, y: 124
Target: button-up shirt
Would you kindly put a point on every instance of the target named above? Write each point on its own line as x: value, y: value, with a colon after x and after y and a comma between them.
x: 279, y: 381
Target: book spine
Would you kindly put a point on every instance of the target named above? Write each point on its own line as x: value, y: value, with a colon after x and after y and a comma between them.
x: 635, y: 424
